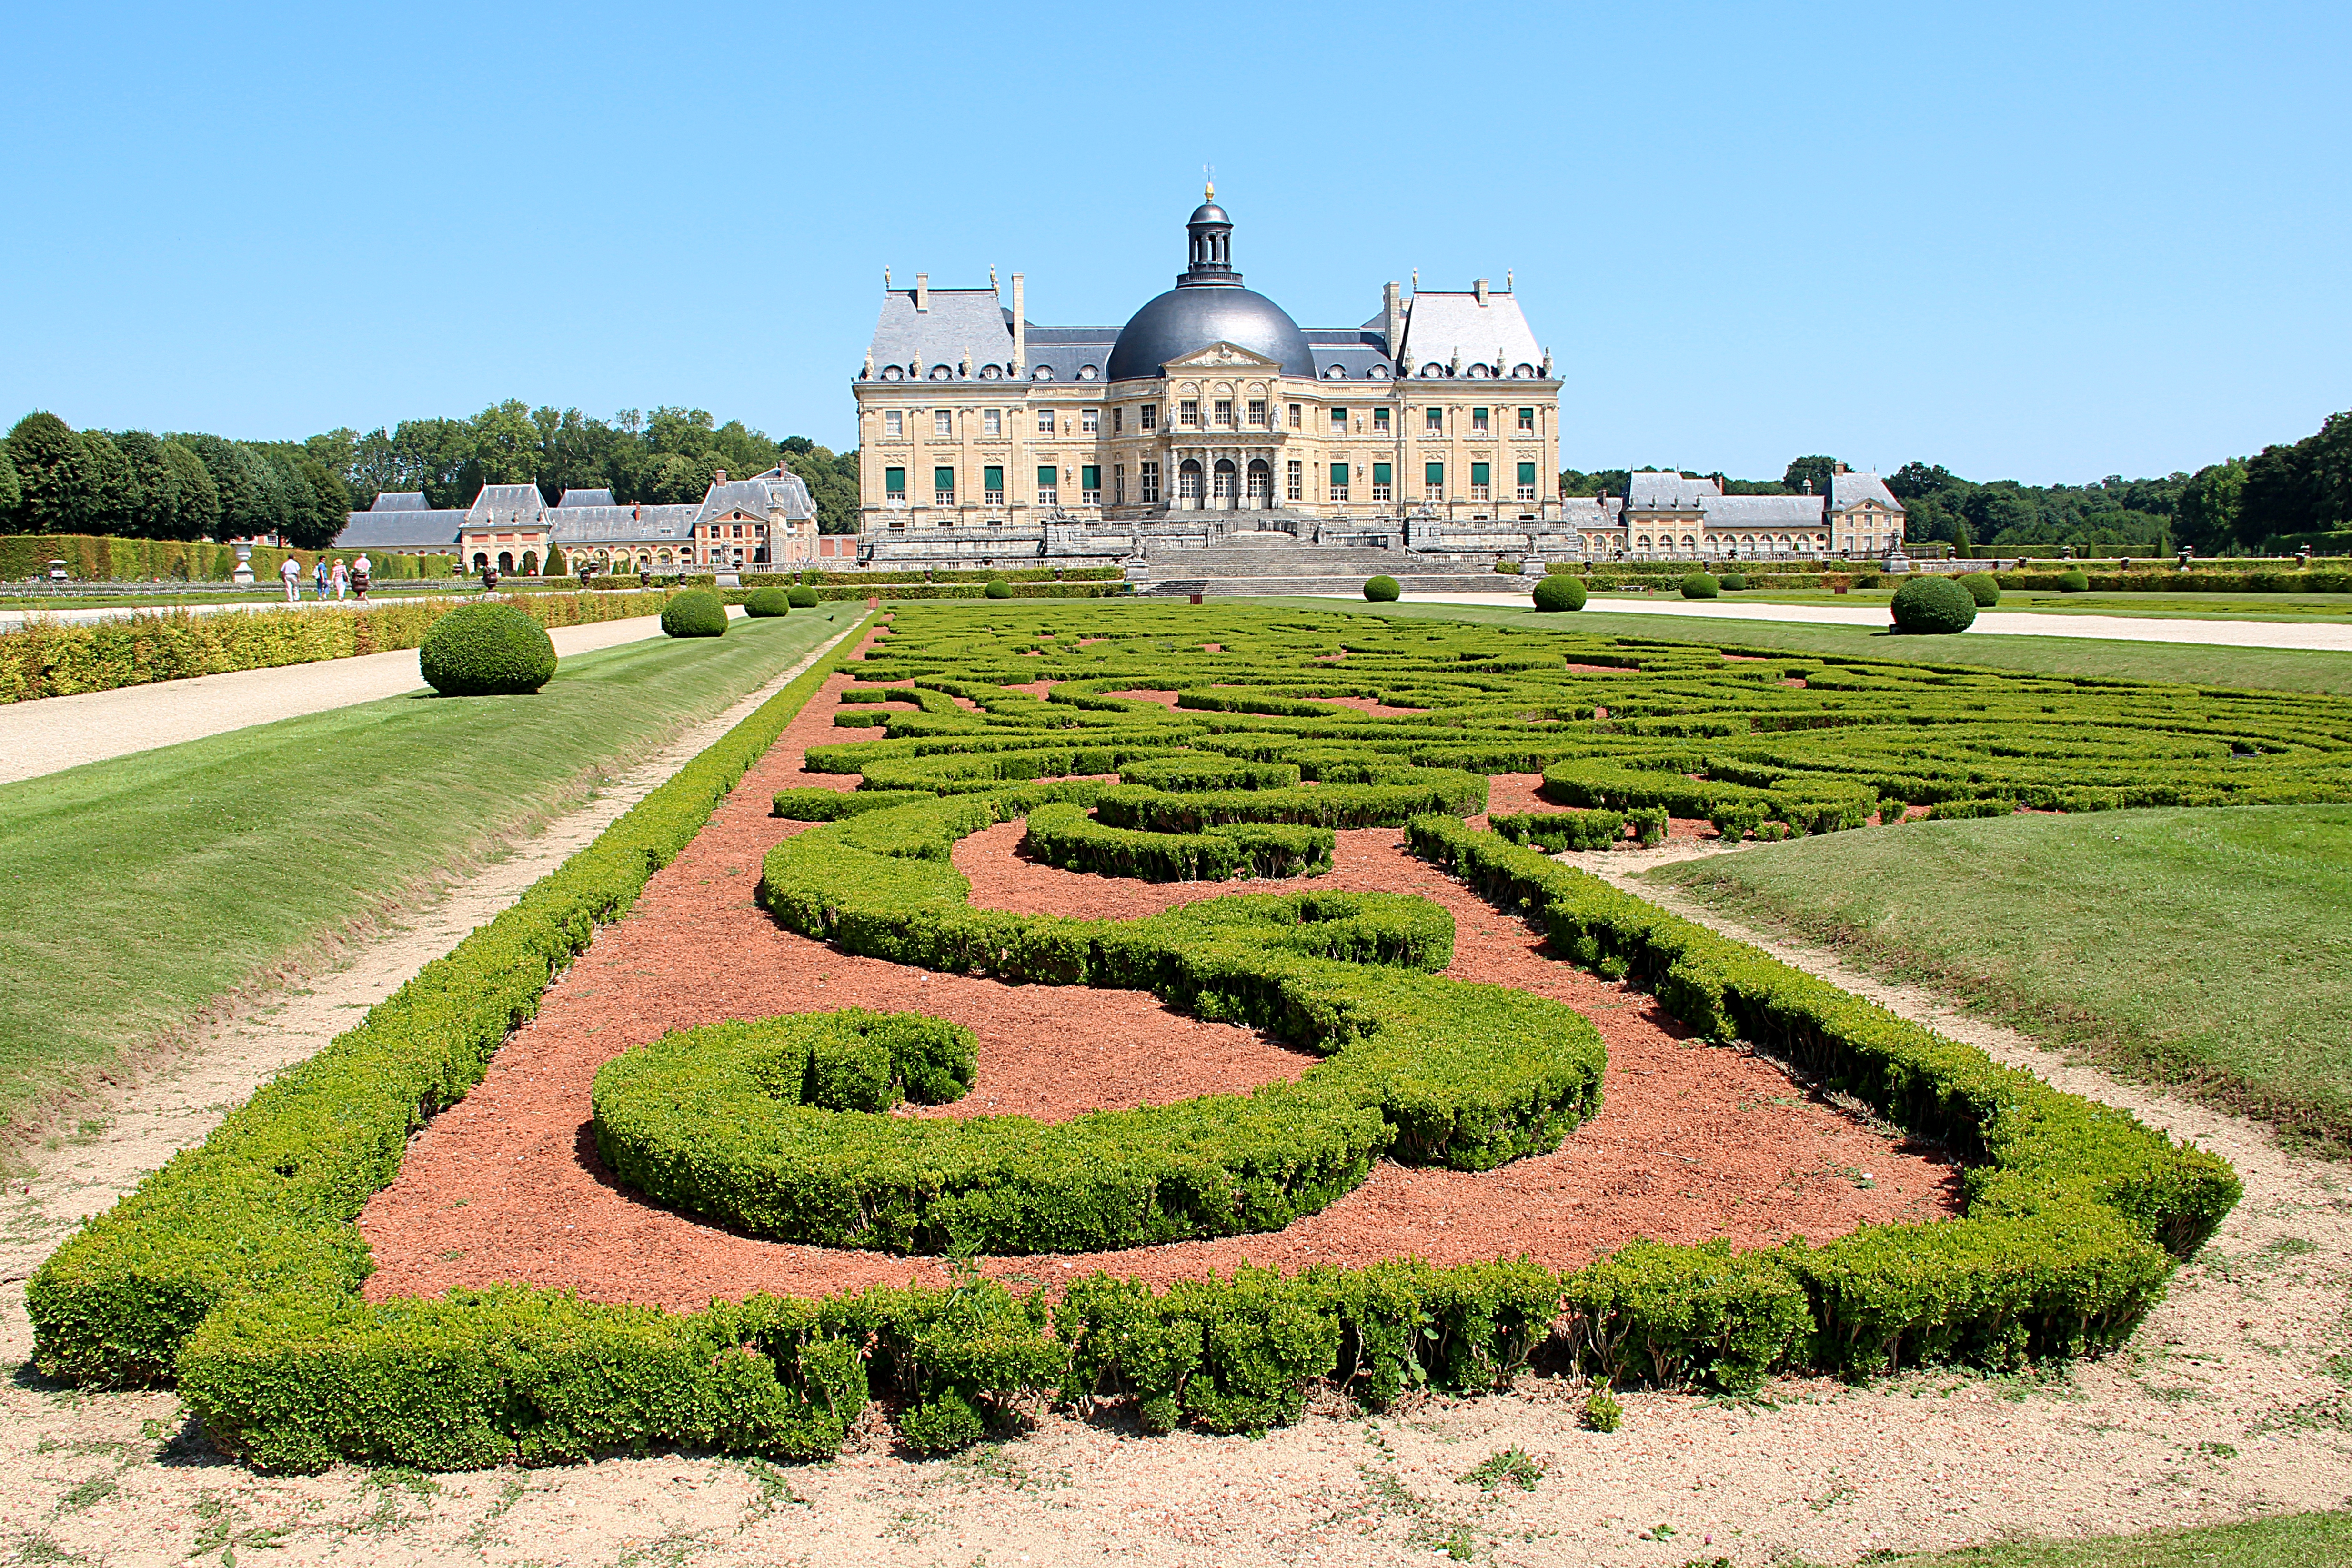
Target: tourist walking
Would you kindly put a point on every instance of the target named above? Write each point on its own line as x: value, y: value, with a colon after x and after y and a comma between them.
x: 291, y: 570
x: 359, y: 579
x: 342, y: 581
x: 319, y: 579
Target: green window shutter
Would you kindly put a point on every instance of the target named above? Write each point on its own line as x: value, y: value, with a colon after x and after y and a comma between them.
x: 1048, y: 476
x: 1478, y: 473
x: 942, y: 478
x: 1527, y: 473
x: 1435, y: 474
x: 1381, y: 472
x: 1477, y: 413
x: 1339, y: 473
x: 994, y: 480
x: 893, y: 481
x: 1090, y: 477
x: 1527, y: 415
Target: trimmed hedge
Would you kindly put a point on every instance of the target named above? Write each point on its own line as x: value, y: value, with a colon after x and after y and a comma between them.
x: 1405, y: 792
x: 763, y: 604
x: 486, y: 650
x: 1699, y: 585
x: 2075, y: 1210
x: 1557, y: 830
x: 263, y: 1207
x: 1064, y: 835
x: 802, y: 597
x: 1984, y: 587
x: 1560, y: 593
x: 1934, y: 606
x: 1382, y: 590
x: 2074, y: 582
x: 696, y: 612
x: 998, y: 588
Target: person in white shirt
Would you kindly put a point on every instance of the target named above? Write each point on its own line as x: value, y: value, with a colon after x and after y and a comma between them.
x: 291, y: 570
x: 342, y: 581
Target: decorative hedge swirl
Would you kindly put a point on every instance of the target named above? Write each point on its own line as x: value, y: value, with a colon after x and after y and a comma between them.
x: 235, y: 1270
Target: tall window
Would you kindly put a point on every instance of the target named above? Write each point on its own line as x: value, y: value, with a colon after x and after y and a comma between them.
x: 1089, y: 421
x: 1339, y: 422
x: 1090, y: 485
x: 1118, y: 420
x: 1527, y: 481
x: 1049, y: 487
x: 1188, y: 481
x: 1221, y: 482
x: 1298, y: 417
x: 1379, y: 421
x: 1045, y: 422
x: 1257, y: 412
x: 943, y: 423
x: 1339, y: 481
x: 992, y: 422
x: 992, y: 486
x: 1118, y: 484
x: 1147, y: 482
x: 1435, y: 421
x: 1478, y: 422
x: 1384, y: 482
x: 1481, y: 482
x: 894, y: 486
x: 1294, y: 480
x: 894, y: 423
x: 943, y: 487
x: 1225, y: 412
x: 1188, y: 412
x: 1433, y: 481
x: 1147, y: 417
x: 1527, y: 421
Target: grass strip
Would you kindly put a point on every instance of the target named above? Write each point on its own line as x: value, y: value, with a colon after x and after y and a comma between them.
x: 143, y: 888
x: 2289, y: 1541
x: 2208, y: 949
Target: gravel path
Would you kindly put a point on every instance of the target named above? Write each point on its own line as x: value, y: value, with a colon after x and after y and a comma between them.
x: 2232, y: 1400
x: 1994, y: 623
x: 52, y: 733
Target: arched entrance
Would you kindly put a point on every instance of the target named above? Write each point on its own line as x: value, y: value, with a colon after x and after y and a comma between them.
x: 530, y: 562
x: 481, y: 562
x: 1261, y: 482
x: 1188, y: 483
x: 506, y: 563
x: 1222, y: 482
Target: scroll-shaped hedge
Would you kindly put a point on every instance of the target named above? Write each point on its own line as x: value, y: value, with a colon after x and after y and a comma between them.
x: 1064, y: 835
x: 1419, y: 1067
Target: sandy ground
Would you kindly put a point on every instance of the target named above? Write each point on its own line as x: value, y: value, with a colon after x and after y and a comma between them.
x: 52, y: 733
x: 1991, y: 623
x: 2235, y: 1398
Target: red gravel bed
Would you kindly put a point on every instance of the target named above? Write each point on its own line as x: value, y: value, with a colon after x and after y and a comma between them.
x: 1693, y: 1141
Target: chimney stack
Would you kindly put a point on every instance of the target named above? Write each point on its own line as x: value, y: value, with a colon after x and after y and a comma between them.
x: 922, y: 292
x: 1393, y: 306
x: 718, y: 476
x: 1020, y: 330
x: 1479, y: 289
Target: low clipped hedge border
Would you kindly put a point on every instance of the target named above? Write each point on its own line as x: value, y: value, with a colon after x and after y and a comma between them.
x: 1064, y: 835
x: 265, y: 1204
x: 2075, y: 1211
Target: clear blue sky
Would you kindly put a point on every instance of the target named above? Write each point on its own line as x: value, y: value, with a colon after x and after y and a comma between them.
x: 2047, y: 241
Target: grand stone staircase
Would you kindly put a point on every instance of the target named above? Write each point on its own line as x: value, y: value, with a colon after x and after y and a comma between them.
x: 1269, y: 561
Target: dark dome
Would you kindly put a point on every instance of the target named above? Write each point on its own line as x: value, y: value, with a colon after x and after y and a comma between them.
x: 1208, y: 212
x: 1193, y: 317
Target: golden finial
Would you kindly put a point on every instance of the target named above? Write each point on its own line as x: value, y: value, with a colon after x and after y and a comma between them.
x: 1209, y: 181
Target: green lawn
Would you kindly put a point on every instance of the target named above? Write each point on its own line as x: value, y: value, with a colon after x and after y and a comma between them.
x: 2183, y: 664
x: 138, y: 890
x: 2290, y: 1540
x: 2209, y: 948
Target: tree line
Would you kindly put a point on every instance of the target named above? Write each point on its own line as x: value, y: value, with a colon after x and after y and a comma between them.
x: 2271, y: 501
x: 133, y: 484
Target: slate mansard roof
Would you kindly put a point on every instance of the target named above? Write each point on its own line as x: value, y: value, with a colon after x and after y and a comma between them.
x: 584, y: 517
x: 1442, y: 329
x: 380, y: 528
x: 1851, y: 488
x: 1649, y: 491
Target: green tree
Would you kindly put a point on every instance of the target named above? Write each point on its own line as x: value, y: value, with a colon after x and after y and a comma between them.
x: 505, y: 445
x: 1816, y: 469
x: 11, y: 494
x: 2206, y: 519
x: 832, y: 481
x: 157, y: 515
x: 53, y: 472
x: 1913, y: 481
x: 251, y: 500
x: 330, y: 504
x: 431, y: 454
x: 114, y: 488
x: 2331, y: 472
x: 2277, y: 497
x: 198, y: 507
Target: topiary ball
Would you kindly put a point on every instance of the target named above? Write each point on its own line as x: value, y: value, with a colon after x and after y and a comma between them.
x: 486, y: 650
x: 1699, y: 585
x: 1984, y: 587
x: 1934, y: 605
x: 998, y: 588
x: 765, y: 602
x: 1560, y: 593
x: 1381, y: 590
x: 2074, y: 582
x: 803, y: 596
x: 696, y: 612
x: 1735, y: 582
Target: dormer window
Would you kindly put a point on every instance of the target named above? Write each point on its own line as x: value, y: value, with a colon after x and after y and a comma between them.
x: 1043, y: 373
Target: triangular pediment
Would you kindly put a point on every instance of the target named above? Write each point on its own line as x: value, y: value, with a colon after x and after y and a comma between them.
x: 1223, y: 355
